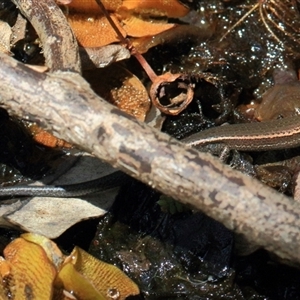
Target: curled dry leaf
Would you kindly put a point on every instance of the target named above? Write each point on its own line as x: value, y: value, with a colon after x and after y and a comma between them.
x: 171, y: 93
x: 121, y: 88
x: 34, y: 268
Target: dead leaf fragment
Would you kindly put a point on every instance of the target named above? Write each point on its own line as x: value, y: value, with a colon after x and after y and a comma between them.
x: 5, y: 37
x: 19, y: 29
x: 100, y: 57
x: 34, y: 268
x: 93, y: 30
x: 136, y: 27
x: 171, y: 93
x: 53, y: 216
x: 121, y: 88
x: 90, y: 6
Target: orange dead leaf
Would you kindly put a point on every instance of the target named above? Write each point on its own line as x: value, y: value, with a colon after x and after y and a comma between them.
x: 90, y: 6
x: 121, y: 88
x: 169, y: 8
x: 137, y: 27
x: 93, y: 30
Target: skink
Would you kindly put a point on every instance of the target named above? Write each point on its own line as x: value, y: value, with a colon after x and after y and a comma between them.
x: 66, y: 191
x: 281, y: 99
x: 261, y: 136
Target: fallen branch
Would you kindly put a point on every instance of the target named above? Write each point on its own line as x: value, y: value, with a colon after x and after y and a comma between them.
x: 64, y: 103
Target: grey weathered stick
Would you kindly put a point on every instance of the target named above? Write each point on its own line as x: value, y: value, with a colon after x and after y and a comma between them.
x: 64, y: 103
x: 55, y: 34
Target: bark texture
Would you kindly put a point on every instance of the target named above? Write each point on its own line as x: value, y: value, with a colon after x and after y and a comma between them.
x: 64, y: 103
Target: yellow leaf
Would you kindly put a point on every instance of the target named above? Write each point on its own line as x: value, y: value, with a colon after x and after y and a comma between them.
x: 31, y: 274
x: 76, y: 284
x: 108, y: 279
x: 27, y: 272
x: 50, y: 248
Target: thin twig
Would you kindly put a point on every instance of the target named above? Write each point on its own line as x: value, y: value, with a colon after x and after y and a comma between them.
x: 140, y: 58
x: 59, y: 43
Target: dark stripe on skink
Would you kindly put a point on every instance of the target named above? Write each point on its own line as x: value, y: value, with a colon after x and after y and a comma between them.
x: 66, y: 191
x: 269, y: 135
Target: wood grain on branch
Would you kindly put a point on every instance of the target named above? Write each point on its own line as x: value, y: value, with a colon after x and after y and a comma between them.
x: 64, y: 103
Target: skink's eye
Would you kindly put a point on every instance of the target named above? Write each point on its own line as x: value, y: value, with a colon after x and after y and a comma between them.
x: 30, y: 49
